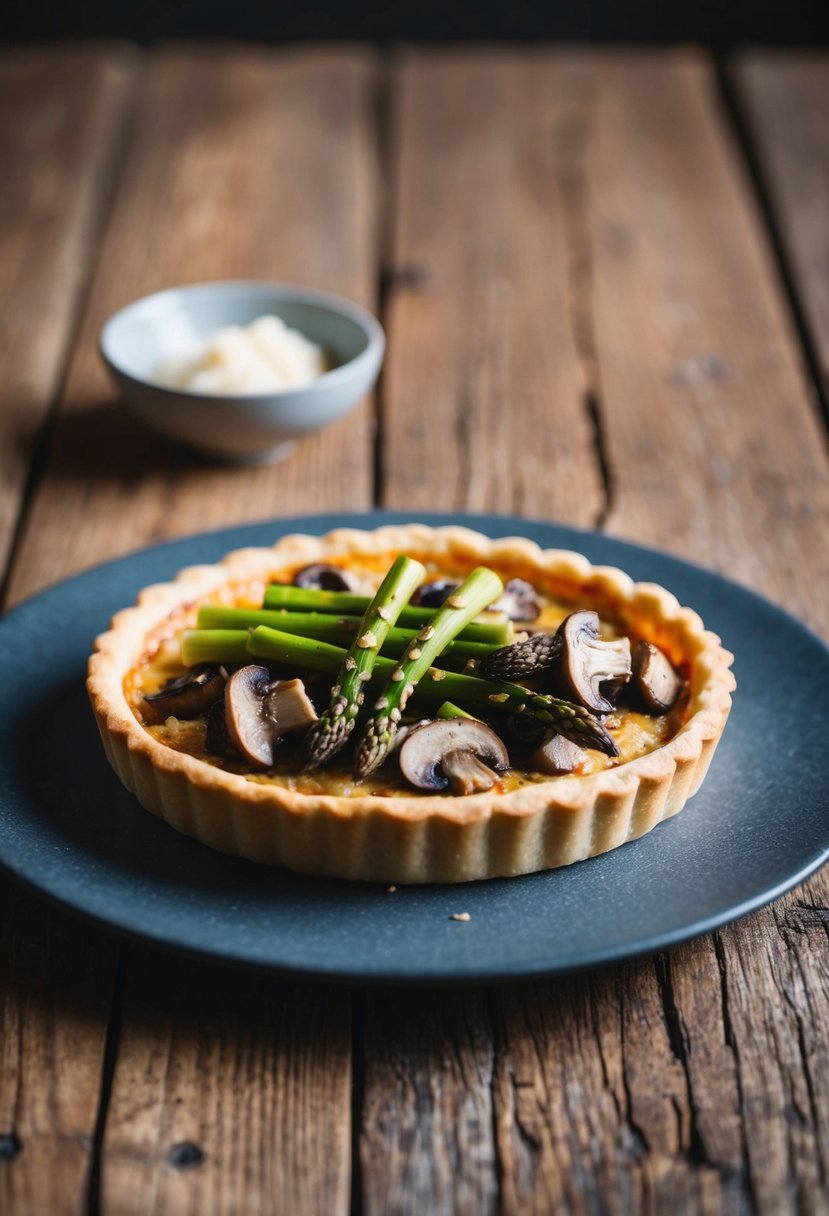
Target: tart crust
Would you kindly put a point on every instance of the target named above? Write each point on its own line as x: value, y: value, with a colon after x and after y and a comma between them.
x: 418, y: 838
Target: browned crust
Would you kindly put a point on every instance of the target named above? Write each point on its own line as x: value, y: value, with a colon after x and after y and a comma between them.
x: 417, y: 838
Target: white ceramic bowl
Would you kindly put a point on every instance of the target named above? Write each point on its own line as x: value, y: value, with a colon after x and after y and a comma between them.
x: 249, y: 427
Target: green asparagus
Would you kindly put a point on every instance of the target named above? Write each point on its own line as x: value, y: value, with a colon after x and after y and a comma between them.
x: 497, y: 631
x: 237, y: 646
x: 329, y: 734
x: 477, y: 590
x: 326, y: 627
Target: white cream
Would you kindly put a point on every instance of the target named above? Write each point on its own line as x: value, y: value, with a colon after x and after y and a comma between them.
x: 263, y: 357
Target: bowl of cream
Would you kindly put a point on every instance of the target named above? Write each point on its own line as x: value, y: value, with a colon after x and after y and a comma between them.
x: 241, y: 371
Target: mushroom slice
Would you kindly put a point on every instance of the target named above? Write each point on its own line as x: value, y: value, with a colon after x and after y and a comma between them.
x: 454, y: 752
x: 259, y: 711
x: 324, y: 577
x: 557, y: 756
x: 189, y: 695
x: 587, y: 661
x: 518, y: 601
x: 655, y: 680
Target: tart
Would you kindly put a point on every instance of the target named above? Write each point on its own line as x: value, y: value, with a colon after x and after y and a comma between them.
x: 553, y: 789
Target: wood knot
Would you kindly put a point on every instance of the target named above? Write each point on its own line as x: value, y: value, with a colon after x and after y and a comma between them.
x: 10, y: 1146
x: 408, y: 277
x: 185, y: 1155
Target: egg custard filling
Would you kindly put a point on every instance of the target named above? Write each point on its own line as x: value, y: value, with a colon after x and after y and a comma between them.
x: 410, y: 704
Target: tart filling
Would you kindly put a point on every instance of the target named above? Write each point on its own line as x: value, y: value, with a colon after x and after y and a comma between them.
x: 446, y: 708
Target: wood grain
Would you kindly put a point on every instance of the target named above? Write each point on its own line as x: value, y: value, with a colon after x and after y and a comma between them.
x: 486, y: 400
x: 57, y: 979
x: 715, y: 451
x: 231, y: 1096
x: 61, y: 115
x: 681, y: 1083
x: 241, y: 164
x: 426, y: 1143
x: 786, y: 99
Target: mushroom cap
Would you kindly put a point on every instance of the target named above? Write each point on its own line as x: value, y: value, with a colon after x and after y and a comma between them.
x: 188, y: 695
x: 519, y: 601
x: 654, y: 679
x: 432, y: 595
x: 324, y: 577
x: 587, y: 661
x: 427, y: 746
x: 259, y: 710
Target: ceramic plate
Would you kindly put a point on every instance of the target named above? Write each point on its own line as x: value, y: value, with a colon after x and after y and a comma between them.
x: 759, y: 825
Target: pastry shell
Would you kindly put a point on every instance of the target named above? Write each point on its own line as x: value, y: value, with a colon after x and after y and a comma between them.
x: 420, y: 838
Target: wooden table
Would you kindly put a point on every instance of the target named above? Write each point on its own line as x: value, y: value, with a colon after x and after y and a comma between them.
x: 605, y: 281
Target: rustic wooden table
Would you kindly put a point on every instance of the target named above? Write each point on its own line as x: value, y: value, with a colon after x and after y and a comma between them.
x: 605, y: 281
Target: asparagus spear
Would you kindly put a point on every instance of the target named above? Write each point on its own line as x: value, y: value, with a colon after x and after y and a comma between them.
x: 477, y: 590
x: 329, y: 734
x: 325, y: 627
x: 449, y: 710
x: 214, y: 646
x: 498, y: 631
x: 436, y: 685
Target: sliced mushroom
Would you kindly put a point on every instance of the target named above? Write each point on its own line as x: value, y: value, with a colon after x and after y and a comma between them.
x: 432, y: 595
x: 587, y: 661
x: 518, y: 601
x: 324, y: 577
x: 654, y: 679
x: 189, y: 695
x: 456, y: 752
x: 557, y: 756
x: 259, y: 711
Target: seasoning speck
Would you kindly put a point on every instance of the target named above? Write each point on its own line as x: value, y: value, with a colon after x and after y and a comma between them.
x: 456, y: 601
x: 368, y: 641
x: 464, y: 916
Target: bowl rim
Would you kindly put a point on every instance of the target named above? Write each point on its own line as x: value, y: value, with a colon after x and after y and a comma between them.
x: 293, y: 293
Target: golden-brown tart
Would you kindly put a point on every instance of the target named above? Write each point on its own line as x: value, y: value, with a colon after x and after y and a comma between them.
x: 378, y: 830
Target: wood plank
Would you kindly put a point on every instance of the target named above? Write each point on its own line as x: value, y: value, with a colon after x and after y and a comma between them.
x: 686, y: 1083
x: 426, y: 1140
x: 232, y: 1094
x: 786, y: 99
x: 713, y: 449
x: 712, y: 441
x: 57, y: 979
x: 708, y: 415
x: 284, y: 142
x: 242, y: 164
x: 58, y: 162
x: 488, y: 379
x: 56, y: 180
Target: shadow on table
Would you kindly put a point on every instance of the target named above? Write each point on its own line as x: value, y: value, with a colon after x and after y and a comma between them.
x: 103, y: 439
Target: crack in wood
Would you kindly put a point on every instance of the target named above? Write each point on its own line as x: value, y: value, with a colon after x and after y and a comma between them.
x: 113, y: 1038
x: 738, y: 115
x: 572, y: 137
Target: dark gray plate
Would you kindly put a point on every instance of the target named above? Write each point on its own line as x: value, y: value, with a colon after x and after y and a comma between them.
x: 759, y: 825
